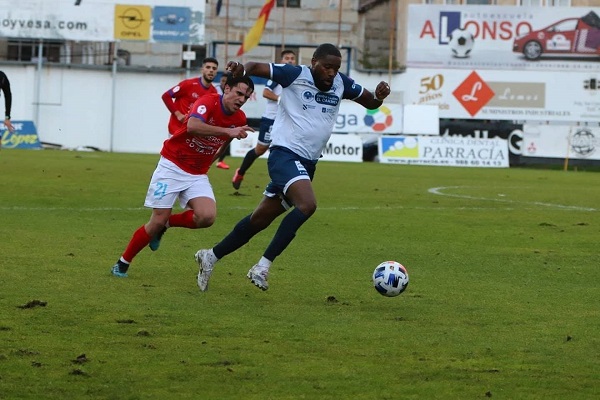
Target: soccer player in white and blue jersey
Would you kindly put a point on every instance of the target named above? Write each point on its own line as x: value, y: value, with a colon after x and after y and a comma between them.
x: 310, y: 101
x: 271, y: 92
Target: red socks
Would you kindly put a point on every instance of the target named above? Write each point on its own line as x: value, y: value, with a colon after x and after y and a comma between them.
x: 183, y: 220
x: 139, y: 240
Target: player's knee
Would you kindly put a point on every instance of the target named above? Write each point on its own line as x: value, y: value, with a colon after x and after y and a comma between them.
x: 307, y: 208
x: 204, y: 220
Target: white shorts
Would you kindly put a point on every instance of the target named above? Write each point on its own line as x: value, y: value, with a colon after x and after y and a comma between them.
x: 170, y: 182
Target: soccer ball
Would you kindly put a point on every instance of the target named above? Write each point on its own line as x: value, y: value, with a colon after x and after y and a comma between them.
x: 390, y: 278
x: 461, y: 43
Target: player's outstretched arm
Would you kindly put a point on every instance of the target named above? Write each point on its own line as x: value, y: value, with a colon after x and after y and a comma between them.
x: 196, y: 126
x: 250, y: 68
x: 374, y: 100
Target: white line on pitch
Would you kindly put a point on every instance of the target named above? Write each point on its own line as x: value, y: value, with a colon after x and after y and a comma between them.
x: 439, y: 191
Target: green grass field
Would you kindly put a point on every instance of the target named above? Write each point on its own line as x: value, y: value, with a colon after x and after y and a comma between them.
x: 503, y: 301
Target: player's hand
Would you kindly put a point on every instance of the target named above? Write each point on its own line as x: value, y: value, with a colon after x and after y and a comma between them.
x: 240, y: 132
x: 180, y: 116
x: 382, y: 90
x: 236, y: 68
x: 9, y: 125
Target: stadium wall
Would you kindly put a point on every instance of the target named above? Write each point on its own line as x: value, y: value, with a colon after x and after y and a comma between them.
x: 87, y: 107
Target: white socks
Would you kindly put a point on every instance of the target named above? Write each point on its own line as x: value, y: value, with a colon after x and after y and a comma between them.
x: 211, y: 256
x: 264, y: 263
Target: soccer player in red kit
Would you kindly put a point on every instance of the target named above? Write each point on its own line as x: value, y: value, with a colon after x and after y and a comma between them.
x: 179, y: 98
x: 213, y: 121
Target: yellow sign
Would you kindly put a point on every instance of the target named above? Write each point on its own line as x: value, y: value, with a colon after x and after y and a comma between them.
x: 132, y: 22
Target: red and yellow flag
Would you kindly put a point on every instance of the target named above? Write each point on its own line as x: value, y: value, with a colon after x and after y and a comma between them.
x: 253, y: 37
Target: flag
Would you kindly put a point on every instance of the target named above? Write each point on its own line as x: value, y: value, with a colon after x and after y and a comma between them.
x: 219, y: 5
x: 253, y: 37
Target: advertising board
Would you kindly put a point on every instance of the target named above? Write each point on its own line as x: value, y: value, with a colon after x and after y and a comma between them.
x: 503, y: 37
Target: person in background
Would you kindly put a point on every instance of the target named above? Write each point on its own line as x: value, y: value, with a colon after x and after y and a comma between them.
x: 5, y: 86
x: 271, y: 92
x: 212, y: 122
x: 310, y: 102
x: 221, y: 85
x: 180, y: 97
x: 220, y: 89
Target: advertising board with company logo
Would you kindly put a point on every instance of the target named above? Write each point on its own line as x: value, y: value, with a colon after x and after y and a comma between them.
x: 506, y: 95
x: 340, y: 147
x: 503, y: 37
x: 443, y: 151
x: 354, y: 118
x: 551, y: 141
x: 480, y: 129
x: 105, y: 21
x: 25, y: 136
x: 171, y: 24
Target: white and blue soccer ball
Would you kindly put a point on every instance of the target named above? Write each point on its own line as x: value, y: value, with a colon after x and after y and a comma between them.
x: 461, y: 43
x: 390, y: 278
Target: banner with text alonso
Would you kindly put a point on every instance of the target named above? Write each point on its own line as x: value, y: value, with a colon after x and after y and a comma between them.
x: 503, y: 37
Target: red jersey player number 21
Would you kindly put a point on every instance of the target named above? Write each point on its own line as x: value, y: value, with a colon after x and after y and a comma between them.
x: 212, y: 122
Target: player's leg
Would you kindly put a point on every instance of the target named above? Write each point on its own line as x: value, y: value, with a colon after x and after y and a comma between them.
x: 188, y: 187
x: 294, y: 176
x: 140, y: 239
x: 221, y: 162
x: 300, y: 194
x: 267, y: 210
x: 199, y: 200
x: 265, y: 213
x: 162, y: 192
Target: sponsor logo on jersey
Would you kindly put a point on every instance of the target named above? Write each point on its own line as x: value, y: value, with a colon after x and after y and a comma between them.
x: 327, y: 99
x: 308, y: 96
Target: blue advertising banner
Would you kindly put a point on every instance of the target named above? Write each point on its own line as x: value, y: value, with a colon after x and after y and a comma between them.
x: 171, y: 24
x: 24, y: 137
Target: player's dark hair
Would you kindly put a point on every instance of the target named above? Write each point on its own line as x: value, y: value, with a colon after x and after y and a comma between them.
x: 284, y: 52
x: 231, y: 81
x: 210, y: 60
x: 326, y: 49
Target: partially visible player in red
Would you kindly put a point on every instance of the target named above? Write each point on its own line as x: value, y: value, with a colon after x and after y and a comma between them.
x: 179, y: 98
x: 212, y: 123
x: 220, y: 89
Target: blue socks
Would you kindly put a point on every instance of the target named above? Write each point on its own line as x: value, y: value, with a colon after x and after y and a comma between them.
x: 285, y: 234
x: 243, y: 232
x: 239, y: 236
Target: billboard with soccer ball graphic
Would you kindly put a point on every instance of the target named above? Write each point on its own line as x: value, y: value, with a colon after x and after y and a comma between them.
x: 554, y: 141
x: 503, y: 37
